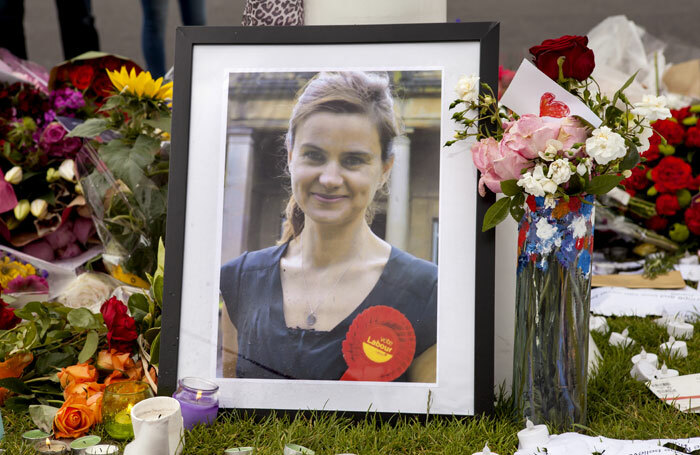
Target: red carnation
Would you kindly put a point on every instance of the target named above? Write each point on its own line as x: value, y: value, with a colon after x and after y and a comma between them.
x: 670, y: 130
x: 8, y: 320
x: 81, y: 76
x: 638, y: 180
x: 692, y: 137
x: 579, y: 60
x: 652, y: 153
x: 671, y: 174
x: 121, y: 327
x: 667, y: 204
x: 658, y: 223
x: 692, y: 218
x: 680, y: 114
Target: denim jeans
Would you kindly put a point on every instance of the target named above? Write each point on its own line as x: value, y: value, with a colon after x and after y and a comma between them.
x: 155, y: 15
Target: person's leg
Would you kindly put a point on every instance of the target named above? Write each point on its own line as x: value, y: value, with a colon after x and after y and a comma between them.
x: 78, y: 33
x: 193, y: 12
x: 12, y: 27
x: 155, y: 16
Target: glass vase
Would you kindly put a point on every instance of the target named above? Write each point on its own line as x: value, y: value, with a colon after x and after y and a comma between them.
x: 553, y: 293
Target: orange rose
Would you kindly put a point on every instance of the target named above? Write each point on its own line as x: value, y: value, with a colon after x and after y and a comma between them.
x: 84, y: 389
x: 81, y: 372
x: 95, y: 405
x: 13, y: 368
x: 113, y: 360
x: 74, y: 419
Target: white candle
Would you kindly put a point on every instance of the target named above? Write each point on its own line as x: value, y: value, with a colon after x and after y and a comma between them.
x: 646, y: 356
x: 621, y: 339
x: 680, y: 329
x: 643, y: 371
x: 102, y: 449
x: 664, y: 320
x: 485, y: 451
x: 675, y: 348
x: 533, y: 436
x: 666, y: 372
x: 599, y: 324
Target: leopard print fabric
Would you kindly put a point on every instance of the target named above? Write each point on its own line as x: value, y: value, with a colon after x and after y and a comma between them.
x: 273, y: 12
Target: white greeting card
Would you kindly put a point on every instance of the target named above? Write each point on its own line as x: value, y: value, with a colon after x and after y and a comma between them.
x: 683, y: 392
x: 533, y: 92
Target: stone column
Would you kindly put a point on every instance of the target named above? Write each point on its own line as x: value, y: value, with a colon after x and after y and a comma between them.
x: 398, y: 202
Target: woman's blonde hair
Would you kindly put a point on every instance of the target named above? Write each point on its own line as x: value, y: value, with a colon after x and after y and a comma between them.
x: 347, y: 92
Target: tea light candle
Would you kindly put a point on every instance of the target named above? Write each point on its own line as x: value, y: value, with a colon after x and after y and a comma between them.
x: 651, y: 358
x: 599, y: 324
x: 102, y: 449
x: 35, y: 435
x: 79, y: 445
x: 51, y: 447
x: 296, y: 449
x: 240, y: 451
x: 680, y: 329
x: 120, y: 427
x: 675, y: 348
x: 664, y: 320
x: 666, y: 372
x: 485, y: 451
x: 621, y: 339
x: 199, y: 401
x: 643, y: 371
x: 533, y: 436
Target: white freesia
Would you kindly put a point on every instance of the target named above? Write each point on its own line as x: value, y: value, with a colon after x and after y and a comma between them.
x: 88, y: 290
x: 468, y: 88
x: 67, y: 170
x: 559, y: 171
x: 652, y: 108
x: 552, y: 149
x: 605, y: 145
x: 545, y: 231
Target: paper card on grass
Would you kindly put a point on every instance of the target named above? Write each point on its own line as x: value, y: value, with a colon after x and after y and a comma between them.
x: 533, y: 92
x: 682, y: 392
x: 671, y: 280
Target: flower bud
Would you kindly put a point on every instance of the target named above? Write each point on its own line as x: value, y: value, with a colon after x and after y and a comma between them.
x: 12, y: 223
x: 683, y: 197
x: 695, y: 108
x: 79, y: 188
x: 652, y: 191
x: 67, y: 170
x: 21, y: 209
x: 627, y: 173
x: 39, y: 208
x: 667, y: 149
x: 679, y: 232
x: 52, y: 175
x: 14, y: 175
x: 690, y: 121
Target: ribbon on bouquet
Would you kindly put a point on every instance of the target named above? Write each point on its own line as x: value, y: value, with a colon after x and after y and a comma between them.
x: 379, y: 345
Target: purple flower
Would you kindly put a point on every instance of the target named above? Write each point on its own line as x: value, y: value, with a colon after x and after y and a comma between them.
x: 53, y: 133
x: 49, y: 116
x: 66, y: 99
x: 32, y: 283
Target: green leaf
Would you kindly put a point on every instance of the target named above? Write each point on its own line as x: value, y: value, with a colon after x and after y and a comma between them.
x: 624, y: 86
x: 631, y: 159
x: 155, y: 351
x: 47, y: 363
x: 32, y: 311
x: 81, y: 319
x: 496, y: 213
x: 128, y: 163
x: 90, y: 128
x: 161, y: 255
x: 158, y: 291
x: 18, y: 405
x: 138, y: 302
x: 516, y: 207
x: 510, y: 187
x: 602, y: 184
x: 151, y: 334
x: 90, y: 347
x: 162, y: 123
x: 15, y: 385
x: 43, y: 416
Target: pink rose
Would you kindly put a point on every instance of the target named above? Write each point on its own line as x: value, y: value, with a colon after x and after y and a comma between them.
x: 496, y: 164
x: 572, y: 132
x: 529, y: 135
x: 53, y: 133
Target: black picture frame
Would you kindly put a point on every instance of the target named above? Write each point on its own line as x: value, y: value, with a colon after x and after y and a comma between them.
x: 485, y: 33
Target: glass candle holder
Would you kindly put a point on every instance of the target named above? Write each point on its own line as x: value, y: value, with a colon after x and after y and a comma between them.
x: 199, y: 401
x: 117, y: 401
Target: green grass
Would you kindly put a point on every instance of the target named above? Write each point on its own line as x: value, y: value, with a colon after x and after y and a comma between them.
x: 618, y: 407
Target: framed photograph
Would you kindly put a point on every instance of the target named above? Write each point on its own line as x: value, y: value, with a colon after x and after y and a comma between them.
x: 324, y: 248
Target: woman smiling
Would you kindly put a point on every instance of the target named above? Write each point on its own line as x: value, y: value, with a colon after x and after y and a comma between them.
x: 293, y: 305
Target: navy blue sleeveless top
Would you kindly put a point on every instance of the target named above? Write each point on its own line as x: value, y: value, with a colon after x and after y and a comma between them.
x: 252, y: 290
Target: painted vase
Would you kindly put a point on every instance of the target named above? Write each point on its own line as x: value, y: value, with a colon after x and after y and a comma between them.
x: 553, y: 293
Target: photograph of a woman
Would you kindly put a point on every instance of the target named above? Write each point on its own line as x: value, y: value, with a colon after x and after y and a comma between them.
x: 292, y: 304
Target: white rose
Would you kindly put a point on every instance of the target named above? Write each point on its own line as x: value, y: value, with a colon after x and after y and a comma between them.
x: 88, y: 290
x: 545, y: 231
x: 605, y: 145
x: 550, y: 152
x: 530, y: 184
x: 652, y: 108
x: 468, y: 88
x: 559, y: 171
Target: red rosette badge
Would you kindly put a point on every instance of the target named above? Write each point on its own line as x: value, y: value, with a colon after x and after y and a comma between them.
x: 379, y: 345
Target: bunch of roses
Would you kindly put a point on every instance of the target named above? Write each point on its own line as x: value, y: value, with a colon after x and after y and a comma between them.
x: 670, y: 175
x: 121, y: 327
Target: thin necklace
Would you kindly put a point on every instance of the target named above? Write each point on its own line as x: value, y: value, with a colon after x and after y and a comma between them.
x: 311, y: 318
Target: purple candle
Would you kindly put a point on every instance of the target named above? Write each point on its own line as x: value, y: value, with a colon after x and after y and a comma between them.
x: 199, y: 401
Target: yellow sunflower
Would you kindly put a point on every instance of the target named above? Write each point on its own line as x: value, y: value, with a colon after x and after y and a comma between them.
x: 141, y: 85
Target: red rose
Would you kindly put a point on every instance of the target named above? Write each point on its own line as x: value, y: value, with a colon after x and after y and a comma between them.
x: 8, y: 320
x: 692, y: 137
x: 658, y: 223
x: 652, y: 153
x: 671, y: 174
x: 638, y: 180
x: 103, y: 86
x: 692, y: 219
x: 670, y: 130
x: 579, y: 60
x: 667, y: 204
x: 81, y: 76
x: 111, y: 310
x: 121, y: 327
